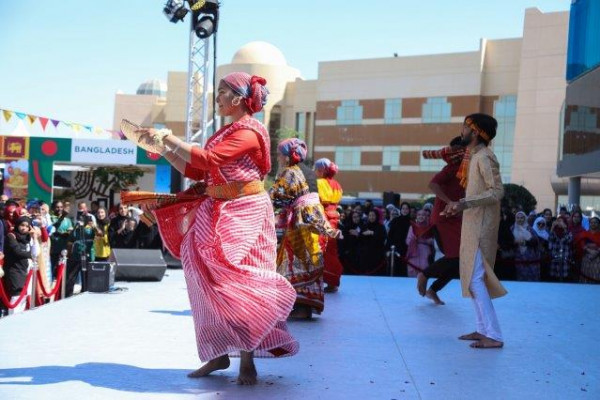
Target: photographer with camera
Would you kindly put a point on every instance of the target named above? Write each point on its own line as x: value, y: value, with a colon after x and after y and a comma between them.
x: 62, y: 226
x: 83, y: 251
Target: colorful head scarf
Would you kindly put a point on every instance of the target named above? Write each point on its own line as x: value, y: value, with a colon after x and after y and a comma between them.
x: 293, y: 148
x: 327, y: 167
x: 250, y: 87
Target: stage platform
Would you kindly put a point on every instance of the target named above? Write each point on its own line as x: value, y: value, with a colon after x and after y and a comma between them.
x: 377, y: 339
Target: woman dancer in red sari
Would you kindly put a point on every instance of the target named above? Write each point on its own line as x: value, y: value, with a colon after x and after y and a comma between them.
x: 226, y: 237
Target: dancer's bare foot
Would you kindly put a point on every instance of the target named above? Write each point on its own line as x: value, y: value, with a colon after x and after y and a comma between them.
x: 433, y: 296
x: 330, y: 289
x: 247, y: 369
x: 487, y: 343
x: 472, y: 336
x: 211, y: 366
x: 421, y: 283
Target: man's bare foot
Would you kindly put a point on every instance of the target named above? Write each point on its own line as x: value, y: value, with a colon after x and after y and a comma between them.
x: 433, y: 296
x: 301, y: 312
x: 247, y: 369
x: 487, y: 343
x: 472, y: 336
x: 211, y: 366
x: 421, y: 283
x: 330, y: 289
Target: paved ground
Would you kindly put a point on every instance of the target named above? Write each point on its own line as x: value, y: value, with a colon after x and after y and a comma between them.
x: 376, y: 340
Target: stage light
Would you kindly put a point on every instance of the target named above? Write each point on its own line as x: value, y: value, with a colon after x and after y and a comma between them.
x: 205, y: 27
x: 207, y: 24
x: 175, y: 10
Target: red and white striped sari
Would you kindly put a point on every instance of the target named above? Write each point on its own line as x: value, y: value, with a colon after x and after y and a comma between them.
x: 228, y: 249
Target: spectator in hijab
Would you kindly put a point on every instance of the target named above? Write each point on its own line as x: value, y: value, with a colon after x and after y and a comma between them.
x: 543, y: 234
x: 20, y: 249
x: 116, y: 230
x: 101, y: 241
x: 62, y: 226
x: 527, y: 252
x: 561, y: 250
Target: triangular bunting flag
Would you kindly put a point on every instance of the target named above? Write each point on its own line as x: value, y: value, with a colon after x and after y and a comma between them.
x: 44, y: 122
x: 31, y: 118
x: 75, y: 127
x: 98, y: 130
x: 7, y: 114
x: 20, y: 115
x: 55, y: 122
x: 89, y: 128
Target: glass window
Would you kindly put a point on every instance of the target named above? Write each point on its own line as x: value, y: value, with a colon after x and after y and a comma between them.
x: 391, y: 156
x: 393, y: 111
x: 437, y: 110
x: 349, y: 113
x: 505, y: 112
x: 583, y: 52
x: 301, y: 122
x: 431, y: 165
x: 347, y: 158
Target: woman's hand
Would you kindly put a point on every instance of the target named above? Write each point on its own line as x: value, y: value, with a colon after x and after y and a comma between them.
x: 152, y: 137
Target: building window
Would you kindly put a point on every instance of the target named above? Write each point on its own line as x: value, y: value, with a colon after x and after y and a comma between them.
x: 583, y: 120
x: 437, y: 110
x: 301, y: 122
x: 391, y: 156
x: 431, y: 165
x: 393, y: 111
x: 505, y: 112
x: 347, y: 158
x: 349, y: 113
x: 260, y: 116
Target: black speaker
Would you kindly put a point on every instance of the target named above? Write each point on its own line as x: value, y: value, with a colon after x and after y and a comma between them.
x: 138, y: 264
x: 100, y: 276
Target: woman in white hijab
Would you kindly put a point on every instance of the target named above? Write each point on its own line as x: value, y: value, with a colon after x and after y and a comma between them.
x: 526, y: 249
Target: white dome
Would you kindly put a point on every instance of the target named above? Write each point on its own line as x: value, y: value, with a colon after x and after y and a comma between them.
x: 259, y: 53
x: 153, y: 87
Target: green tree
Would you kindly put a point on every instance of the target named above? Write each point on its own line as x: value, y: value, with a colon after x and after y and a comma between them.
x: 516, y: 196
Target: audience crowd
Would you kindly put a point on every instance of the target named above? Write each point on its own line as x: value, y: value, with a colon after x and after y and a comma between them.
x: 34, y: 234
x: 531, y: 247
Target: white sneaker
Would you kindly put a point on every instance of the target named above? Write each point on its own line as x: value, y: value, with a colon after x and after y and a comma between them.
x: 77, y: 289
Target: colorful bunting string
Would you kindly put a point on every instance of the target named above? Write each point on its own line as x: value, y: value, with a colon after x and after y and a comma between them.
x: 8, y: 114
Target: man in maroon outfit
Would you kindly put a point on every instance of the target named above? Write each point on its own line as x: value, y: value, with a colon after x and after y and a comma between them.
x: 447, y: 188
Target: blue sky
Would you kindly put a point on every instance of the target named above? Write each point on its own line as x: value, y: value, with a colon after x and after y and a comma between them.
x: 65, y: 59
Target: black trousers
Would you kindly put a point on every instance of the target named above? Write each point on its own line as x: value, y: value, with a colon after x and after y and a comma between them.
x: 444, y: 269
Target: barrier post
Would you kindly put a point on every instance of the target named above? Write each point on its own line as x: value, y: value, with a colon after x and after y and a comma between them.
x: 63, y: 281
x: 33, y: 288
x: 393, y: 261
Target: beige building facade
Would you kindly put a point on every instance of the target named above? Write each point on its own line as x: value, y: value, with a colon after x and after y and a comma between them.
x: 374, y: 117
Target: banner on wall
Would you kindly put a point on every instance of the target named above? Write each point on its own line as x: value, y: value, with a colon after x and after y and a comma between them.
x: 13, y: 148
x: 94, y: 151
x: 16, y: 179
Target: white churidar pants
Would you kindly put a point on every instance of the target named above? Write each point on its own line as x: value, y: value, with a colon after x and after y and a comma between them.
x: 487, y: 322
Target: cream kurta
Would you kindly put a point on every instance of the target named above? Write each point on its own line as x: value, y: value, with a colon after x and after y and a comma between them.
x: 481, y: 220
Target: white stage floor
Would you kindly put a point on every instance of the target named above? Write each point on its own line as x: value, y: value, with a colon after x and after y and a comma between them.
x: 377, y: 339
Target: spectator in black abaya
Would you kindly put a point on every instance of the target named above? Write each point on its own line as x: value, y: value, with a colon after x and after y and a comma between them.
x: 348, y: 246
x: 117, y: 227
x: 505, y: 260
x: 397, y: 237
x: 372, y: 246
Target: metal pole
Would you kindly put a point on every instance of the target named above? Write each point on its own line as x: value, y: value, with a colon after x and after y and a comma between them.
x: 33, y: 288
x: 63, y: 282
x: 393, y: 262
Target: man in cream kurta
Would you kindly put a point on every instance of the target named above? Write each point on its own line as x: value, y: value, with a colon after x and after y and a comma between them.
x: 479, y: 235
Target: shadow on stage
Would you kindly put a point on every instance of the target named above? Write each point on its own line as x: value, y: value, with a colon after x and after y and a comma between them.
x: 184, y: 313
x: 121, y: 377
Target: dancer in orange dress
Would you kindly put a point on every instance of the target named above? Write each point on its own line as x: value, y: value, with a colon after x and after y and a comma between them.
x: 330, y: 193
x: 226, y: 236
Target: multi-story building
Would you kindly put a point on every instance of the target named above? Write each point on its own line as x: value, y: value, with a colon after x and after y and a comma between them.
x: 580, y: 141
x: 373, y: 117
